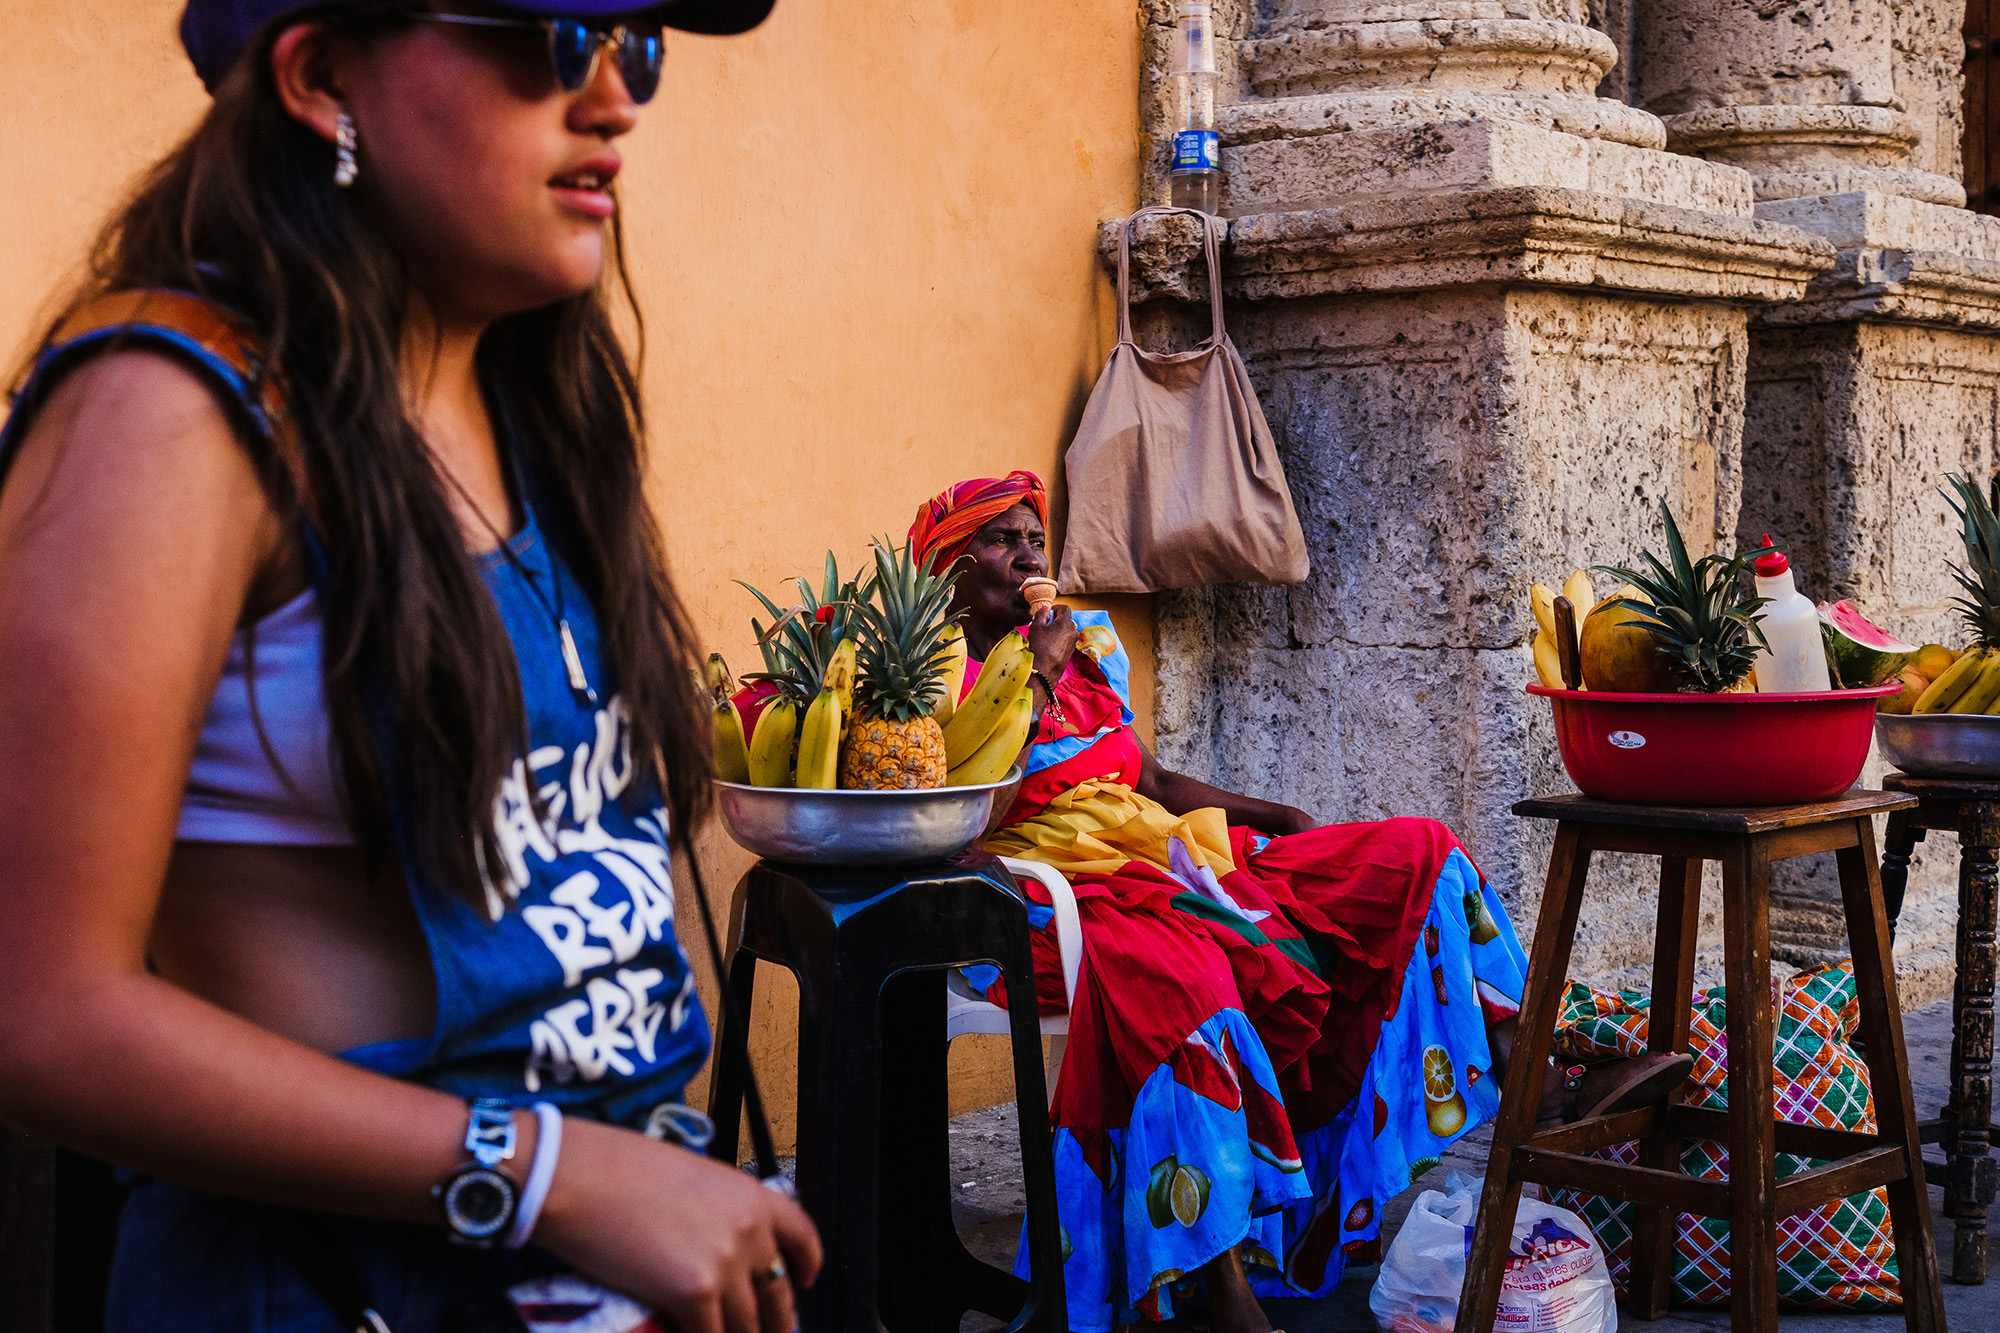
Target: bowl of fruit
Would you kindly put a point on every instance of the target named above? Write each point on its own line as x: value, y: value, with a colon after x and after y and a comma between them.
x: 852, y: 747
x: 1655, y: 699
x: 1945, y: 722
x: 862, y: 828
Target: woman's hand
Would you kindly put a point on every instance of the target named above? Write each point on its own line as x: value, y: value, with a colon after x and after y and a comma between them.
x: 1052, y: 636
x: 677, y: 1231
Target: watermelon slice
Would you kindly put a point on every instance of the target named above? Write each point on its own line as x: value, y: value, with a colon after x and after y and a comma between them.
x: 1860, y: 652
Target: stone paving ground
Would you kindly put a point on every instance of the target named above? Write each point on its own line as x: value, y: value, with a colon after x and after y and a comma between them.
x: 989, y: 1203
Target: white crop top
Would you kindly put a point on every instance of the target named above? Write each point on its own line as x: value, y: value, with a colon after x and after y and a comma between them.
x: 234, y: 794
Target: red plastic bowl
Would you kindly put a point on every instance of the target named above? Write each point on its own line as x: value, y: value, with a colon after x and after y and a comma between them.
x: 1715, y: 749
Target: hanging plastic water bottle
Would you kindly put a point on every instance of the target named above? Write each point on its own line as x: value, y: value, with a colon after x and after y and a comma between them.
x: 1196, y: 181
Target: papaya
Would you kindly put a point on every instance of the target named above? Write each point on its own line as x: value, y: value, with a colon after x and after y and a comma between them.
x: 1619, y: 654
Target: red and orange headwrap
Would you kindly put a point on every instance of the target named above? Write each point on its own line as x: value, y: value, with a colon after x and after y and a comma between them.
x: 950, y: 519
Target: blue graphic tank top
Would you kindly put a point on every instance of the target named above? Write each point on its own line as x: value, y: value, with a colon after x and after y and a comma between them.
x: 570, y: 985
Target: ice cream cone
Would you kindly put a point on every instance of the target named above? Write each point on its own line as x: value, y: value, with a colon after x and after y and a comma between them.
x: 1039, y: 592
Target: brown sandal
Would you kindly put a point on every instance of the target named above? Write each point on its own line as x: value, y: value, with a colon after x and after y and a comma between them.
x: 1642, y: 1079
x: 1645, y: 1078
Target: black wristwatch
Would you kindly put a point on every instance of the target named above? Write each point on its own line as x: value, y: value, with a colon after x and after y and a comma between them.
x: 480, y: 1199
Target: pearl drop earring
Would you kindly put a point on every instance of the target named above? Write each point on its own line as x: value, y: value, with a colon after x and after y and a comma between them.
x: 345, y: 168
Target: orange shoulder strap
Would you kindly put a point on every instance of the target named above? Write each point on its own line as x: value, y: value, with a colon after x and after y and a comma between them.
x: 215, y: 338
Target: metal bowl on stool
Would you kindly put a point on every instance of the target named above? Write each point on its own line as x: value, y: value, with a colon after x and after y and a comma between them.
x: 837, y: 827
x: 1941, y: 745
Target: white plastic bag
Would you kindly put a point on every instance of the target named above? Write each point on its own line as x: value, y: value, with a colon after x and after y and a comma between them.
x: 1556, y: 1281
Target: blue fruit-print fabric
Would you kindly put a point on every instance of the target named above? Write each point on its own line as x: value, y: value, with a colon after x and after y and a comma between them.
x: 1207, y: 1161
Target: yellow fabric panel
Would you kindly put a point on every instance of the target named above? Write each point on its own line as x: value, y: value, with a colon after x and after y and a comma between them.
x: 1095, y: 827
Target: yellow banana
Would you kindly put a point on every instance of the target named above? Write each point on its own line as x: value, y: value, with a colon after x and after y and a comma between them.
x: 1547, y: 666
x: 990, y: 762
x: 1956, y: 680
x: 732, y: 755
x: 771, y: 746
x: 716, y: 676
x: 840, y: 676
x: 1543, y: 598
x: 1582, y: 596
x: 1004, y: 675
x: 945, y: 701
x: 725, y: 724
x: 1985, y: 688
x: 819, y: 742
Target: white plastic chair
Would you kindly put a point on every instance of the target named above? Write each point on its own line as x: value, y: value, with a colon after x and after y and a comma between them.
x: 965, y: 1010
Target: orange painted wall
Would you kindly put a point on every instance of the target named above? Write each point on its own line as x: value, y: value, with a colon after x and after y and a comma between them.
x: 863, y: 239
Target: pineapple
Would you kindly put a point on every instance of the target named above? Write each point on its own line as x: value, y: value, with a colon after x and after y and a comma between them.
x: 893, y: 742
x: 1980, y: 531
x: 799, y: 647
x: 1701, y: 619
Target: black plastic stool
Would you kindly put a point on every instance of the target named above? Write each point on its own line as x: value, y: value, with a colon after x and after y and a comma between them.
x: 870, y: 950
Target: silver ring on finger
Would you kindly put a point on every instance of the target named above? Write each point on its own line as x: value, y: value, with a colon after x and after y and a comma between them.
x: 775, y: 1271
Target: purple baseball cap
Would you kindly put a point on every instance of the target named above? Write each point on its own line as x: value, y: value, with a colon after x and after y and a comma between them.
x: 215, y: 32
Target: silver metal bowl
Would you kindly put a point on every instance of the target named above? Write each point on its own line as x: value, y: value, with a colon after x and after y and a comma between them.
x: 862, y: 828
x: 1941, y: 745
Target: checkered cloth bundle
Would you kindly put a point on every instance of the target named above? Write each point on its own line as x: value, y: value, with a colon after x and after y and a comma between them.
x: 1840, y: 1256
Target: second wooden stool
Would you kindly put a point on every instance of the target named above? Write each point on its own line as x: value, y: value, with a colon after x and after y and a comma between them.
x: 1746, y: 842
x: 1969, y: 807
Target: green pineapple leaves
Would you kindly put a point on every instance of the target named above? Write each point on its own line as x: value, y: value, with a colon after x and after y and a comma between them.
x: 1700, y: 617
x: 895, y: 614
x: 900, y: 650
x: 798, y: 647
x: 1980, y: 531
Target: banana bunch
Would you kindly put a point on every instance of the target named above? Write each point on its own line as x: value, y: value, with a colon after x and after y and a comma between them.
x: 1969, y: 685
x: 800, y: 747
x: 825, y: 724
x: 725, y: 725
x: 985, y: 733
x: 945, y: 702
x: 1582, y: 596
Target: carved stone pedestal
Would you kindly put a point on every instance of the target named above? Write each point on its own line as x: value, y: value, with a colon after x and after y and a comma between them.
x: 1864, y: 394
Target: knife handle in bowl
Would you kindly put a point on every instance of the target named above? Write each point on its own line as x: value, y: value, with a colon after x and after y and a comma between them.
x: 1567, y: 656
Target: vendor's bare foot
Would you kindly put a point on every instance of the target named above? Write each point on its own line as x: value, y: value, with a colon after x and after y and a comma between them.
x: 1232, y: 1308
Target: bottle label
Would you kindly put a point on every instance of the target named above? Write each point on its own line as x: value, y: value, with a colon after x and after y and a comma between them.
x: 1197, y: 150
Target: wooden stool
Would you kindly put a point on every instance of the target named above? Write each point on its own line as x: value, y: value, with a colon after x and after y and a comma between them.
x: 1746, y: 842
x: 1971, y: 809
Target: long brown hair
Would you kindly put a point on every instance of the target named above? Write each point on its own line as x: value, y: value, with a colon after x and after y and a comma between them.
x: 245, y: 213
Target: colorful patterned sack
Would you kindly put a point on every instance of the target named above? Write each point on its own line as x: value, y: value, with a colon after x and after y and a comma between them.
x: 1838, y: 1256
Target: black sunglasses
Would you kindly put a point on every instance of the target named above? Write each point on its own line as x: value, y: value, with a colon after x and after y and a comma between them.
x: 574, y: 46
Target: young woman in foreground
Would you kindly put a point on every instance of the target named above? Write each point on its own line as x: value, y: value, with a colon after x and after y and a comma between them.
x: 1260, y: 1054
x: 343, y: 697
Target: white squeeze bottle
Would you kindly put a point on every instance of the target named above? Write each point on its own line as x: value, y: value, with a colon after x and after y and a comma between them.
x: 1796, y: 659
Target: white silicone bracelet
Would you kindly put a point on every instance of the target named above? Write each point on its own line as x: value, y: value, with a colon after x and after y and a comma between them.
x: 548, y: 1145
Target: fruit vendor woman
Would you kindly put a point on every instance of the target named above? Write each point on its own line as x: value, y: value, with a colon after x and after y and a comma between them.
x: 1278, y: 1024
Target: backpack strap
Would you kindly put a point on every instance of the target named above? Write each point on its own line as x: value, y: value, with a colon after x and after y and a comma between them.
x: 215, y: 341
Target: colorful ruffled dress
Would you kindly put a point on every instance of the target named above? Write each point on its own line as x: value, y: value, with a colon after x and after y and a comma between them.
x: 1270, y: 1037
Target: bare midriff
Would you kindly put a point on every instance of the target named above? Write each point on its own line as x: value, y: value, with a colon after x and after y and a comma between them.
x: 300, y: 940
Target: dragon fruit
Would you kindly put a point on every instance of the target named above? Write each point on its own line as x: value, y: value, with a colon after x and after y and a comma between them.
x: 1859, y: 651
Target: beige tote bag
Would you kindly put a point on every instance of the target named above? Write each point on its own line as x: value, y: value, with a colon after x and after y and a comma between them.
x: 1173, y: 479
